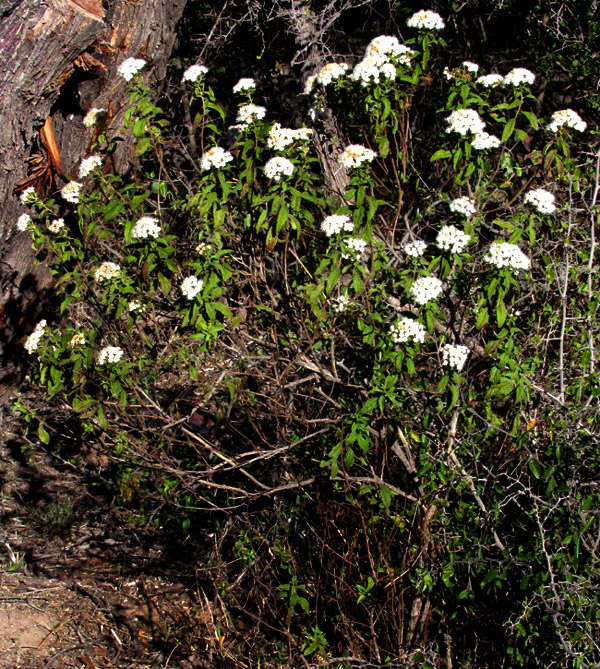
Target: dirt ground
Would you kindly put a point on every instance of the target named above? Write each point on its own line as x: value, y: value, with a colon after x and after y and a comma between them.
x: 80, y: 586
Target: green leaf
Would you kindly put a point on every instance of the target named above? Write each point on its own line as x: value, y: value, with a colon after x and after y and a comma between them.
x: 536, y: 468
x: 508, y: 129
x: 533, y: 122
x: 482, y: 318
x: 501, y: 312
x: 441, y: 154
x: 43, y: 434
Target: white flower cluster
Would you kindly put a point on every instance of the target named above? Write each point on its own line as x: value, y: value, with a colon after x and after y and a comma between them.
x: 519, y: 76
x: 244, y: 84
x: 425, y: 289
x: 490, y: 80
x: 415, y: 249
x: 354, y: 155
x: 31, y: 343
x: 88, y: 165
x: 110, y: 355
x: 203, y: 248
x: 463, y: 205
x: 107, y: 271
x: 470, y: 66
x: 542, y: 200
x: 278, y: 167
x: 134, y: 305
x: 425, y: 19
x: 336, y: 223
x: 341, y: 303
x: 77, y: 339
x: 280, y: 138
x: 454, y: 356
x: 450, y: 238
x: 215, y: 157
x: 71, y: 192
x: 483, y: 141
x: 23, y: 221
x: 194, y: 72
x: 464, y: 121
x: 355, y: 248
x: 406, y: 329
x: 331, y: 72
x: 378, y: 60
x: 93, y: 116
x: 247, y: 114
x: 309, y: 84
x: 191, y: 286
x: 503, y: 254
x: 28, y: 195
x: 130, y: 67
x: 56, y: 225
x: 569, y: 118
x: 146, y: 226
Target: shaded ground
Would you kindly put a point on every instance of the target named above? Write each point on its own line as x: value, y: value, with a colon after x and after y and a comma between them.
x: 80, y: 586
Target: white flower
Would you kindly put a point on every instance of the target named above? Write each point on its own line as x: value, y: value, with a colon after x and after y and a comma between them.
x: 425, y: 289
x: 31, y: 343
x: 89, y: 165
x: 330, y: 72
x: 425, y: 19
x: 23, y: 221
x: 519, y: 76
x: 503, y: 254
x: 371, y: 69
x: 130, y: 67
x: 449, y: 74
x: 490, y: 80
x: 244, y: 84
x: 452, y: 239
x: 279, y: 138
x: 463, y: 205
x: 134, y: 305
x: 277, y: 167
x: 406, y: 329
x: 28, y: 195
x: 56, y: 225
x: 336, y: 223
x: 388, y: 46
x: 194, y: 72
x: 203, y: 248
x: 110, y: 355
x: 454, y: 356
x: 71, y: 192
x: 483, y: 140
x: 542, y: 200
x: 470, y: 66
x: 77, y: 340
x: 341, y: 303
x: 93, y: 116
x: 106, y: 271
x: 355, y: 248
x: 247, y: 114
x: 191, y: 286
x: 569, y: 118
x: 355, y: 155
x: 415, y: 249
x: 310, y: 84
x: 215, y: 157
x: 146, y: 226
x: 464, y: 121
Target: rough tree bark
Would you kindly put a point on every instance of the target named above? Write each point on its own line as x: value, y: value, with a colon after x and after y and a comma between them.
x: 57, y: 60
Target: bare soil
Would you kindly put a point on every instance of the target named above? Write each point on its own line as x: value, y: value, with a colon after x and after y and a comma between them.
x: 80, y: 585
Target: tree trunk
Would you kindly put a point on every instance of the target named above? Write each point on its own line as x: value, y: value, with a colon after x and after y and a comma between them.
x: 57, y: 60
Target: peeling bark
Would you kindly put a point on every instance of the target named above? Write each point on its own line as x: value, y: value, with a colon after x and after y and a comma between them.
x: 47, y: 56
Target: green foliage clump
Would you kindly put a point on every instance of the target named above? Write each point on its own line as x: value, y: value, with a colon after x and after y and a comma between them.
x: 379, y: 362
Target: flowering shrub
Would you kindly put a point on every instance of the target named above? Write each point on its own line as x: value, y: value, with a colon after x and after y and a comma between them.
x: 304, y: 302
